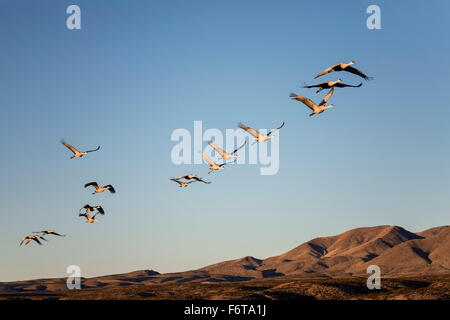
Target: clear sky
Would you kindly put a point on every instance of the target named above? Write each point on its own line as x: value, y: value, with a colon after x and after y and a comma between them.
x: 137, y: 70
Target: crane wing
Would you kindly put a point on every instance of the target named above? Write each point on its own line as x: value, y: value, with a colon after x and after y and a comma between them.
x: 270, y: 132
x: 357, y: 72
x: 319, y: 85
x: 98, y: 148
x: 201, y: 180
x: 236, y: 150
x: 327, y: 97
x: 100, y: 210
x: 220, y: 151
x: 225, y: 163
x: 175, y: 180
x: 327, y: 70
x: 253, y: 132
x: 306, y: 101
x: 208, y: 160
x: 88, y: 207
x: 94, y: 184
x: 75, y: 151
x: 186, y: 176
x: 343, y: 85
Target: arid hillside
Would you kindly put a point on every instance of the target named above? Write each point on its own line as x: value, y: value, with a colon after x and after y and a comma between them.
x: 327, y: 263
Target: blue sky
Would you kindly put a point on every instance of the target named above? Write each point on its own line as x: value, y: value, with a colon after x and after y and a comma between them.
x: 137, y: 70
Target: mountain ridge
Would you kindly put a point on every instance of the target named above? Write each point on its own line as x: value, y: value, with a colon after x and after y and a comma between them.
x: 397, y: 251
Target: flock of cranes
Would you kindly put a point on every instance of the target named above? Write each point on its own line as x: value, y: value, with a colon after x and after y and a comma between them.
x: 90, y: 213
x: 316, y: 109
x: 89, y: 209
x: 98, y: 189
x: 213, y: 166
x: 37, y: 236
x: 321, y: 107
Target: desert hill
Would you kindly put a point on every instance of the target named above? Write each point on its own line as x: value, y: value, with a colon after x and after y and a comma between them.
x: 395, y: 250
x: 398, y: 252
